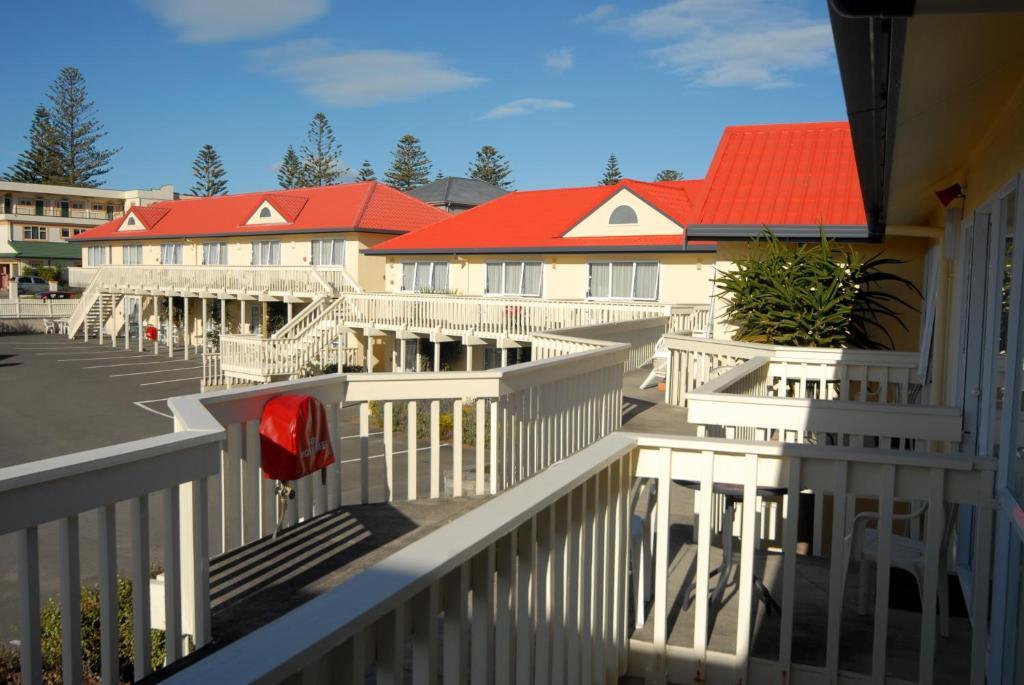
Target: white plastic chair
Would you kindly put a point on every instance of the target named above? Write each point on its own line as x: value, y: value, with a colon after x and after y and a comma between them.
x: 49, y: 326
x: 906, y: 553
x: 641, y: 549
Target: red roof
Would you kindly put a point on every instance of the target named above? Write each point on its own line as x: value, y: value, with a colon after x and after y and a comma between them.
x: 369, y: 206
x: 791, y: 175
x: 535, y: 219
x: 783, y: 175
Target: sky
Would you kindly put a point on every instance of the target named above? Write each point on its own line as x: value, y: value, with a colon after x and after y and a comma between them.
x: 554, y: 86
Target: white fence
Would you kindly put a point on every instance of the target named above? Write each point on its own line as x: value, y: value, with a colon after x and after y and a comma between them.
x: 541, y: 583
x: 508, y: 424
x: 278, y: 281
x: 17, y: 309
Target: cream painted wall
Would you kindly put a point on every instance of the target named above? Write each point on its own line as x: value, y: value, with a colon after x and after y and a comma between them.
x: 651, y: 220
x: 683, y: 277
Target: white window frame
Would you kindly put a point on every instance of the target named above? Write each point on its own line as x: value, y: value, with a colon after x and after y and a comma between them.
x: 431, y: 286
x: 316, y: 251
x: 131, y: 255
x: 99, y: 255
x: 504, y: 263
x: 176, y: 254
x: 36, y: 233
x: 263, y: 253
x: 215, y: 248
x: 632, y: 284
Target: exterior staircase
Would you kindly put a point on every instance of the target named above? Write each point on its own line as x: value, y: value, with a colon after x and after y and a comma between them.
x: 92, y: 314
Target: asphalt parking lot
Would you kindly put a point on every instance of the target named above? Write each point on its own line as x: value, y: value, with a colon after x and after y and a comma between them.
x: 60, y: 396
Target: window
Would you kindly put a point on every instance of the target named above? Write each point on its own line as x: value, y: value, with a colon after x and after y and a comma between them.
x: 65, y: 233
x: 266, y: 252
x: 329, y: 252
x: 34, y: 232
x: 131, y: 254
x: 170, y: 253
x: 99, y: 255
x: 424, y: 276
x: 623, y: 214
x: 265, y: 213
x: 215, y: 253
x: 624, y: 280
x: 514, y: 278
x: 130, y: 221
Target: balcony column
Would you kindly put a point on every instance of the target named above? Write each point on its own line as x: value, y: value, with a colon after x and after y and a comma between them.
x: 100, y: 326
x: 184, y: 327
x: 170, y: 327
x: 419, y: 357
x: 113, y: 322
x: 241, y: 316
x: 504, y: 357
x: 471, y: 343
x: 290, y: 310
x: 142, y: 323
x: 223, y: 320
x: 205, y: 318
x: 156, y: 317
x: 437, y: 357
x: 403, y: 352
x: 127, y: 323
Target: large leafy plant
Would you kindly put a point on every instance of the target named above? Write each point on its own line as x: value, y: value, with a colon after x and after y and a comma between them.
x: 814, y: 295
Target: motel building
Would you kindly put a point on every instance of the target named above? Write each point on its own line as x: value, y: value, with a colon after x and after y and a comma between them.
x: 799, y: 515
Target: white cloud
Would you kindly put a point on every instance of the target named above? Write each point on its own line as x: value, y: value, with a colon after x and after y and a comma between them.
x: 524, y: 106
x: 730, y: 43
x: 361, y: 78
x: 559, y: 60
x: 212, y: 21
x: 598, y: 14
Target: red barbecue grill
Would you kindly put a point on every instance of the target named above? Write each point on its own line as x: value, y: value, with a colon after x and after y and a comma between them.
x: 295, y: 441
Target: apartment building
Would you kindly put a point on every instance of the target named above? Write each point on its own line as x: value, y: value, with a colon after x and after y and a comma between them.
x: 38, y: 220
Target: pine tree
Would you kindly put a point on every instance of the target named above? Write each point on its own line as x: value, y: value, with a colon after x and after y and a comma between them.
x: 289, y: 174
x: 76, y: 131
x: 209, y: 172
x: 490, y: 167
x: 321, y: 155
x: 366, y: 172
x: 669, y: 175
x: 612, y: 175
x: 37, y: 164
x: 410, y: 167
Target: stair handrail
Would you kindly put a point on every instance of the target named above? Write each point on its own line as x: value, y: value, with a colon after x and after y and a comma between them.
x: 302, y: 319
x: 85, y: 303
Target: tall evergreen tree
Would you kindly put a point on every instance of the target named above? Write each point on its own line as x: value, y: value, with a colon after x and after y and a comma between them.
x: 490, y: 167
x: 410, y: 167
x: 669, y: 175
x: 76, y: 132
x: 612, y: 175
x: 209, y: 172
x: 38, y: 163
x: 289, y: 174
x: 366, y: 172
x: 321, y: 155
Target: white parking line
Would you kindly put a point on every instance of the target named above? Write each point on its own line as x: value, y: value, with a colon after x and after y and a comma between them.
x: 142, y: 405
x: 381, y: 455
x: 110, y: 366
x: 57, y: 354
x: 143, y: 373
x: 97, y: 359
x: 351, y: 437
x: 176, y: 380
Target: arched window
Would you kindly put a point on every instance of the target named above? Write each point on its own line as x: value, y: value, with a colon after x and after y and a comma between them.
x: 265, y: 213
x: 131, y: 221
x: 623, y: 214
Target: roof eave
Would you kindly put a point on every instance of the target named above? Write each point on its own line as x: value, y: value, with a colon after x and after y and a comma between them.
x: 794, y: 232
x: 541, y: 249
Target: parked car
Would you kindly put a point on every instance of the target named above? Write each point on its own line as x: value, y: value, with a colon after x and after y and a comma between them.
x: 57, y: 295
x: 30, y: 284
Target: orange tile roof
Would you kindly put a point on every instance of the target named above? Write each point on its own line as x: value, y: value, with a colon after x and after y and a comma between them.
x: 369, y: 206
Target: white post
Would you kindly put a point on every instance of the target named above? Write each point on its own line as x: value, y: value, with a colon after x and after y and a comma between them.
x: 504, y: 357
x: 100, y: 333
x: 469, y: 357
x: 113, y: 322
x: 142, y: 326
x: 419, y: 357
x: 170, y: 327
x: 184, y: 327
x: 241, y: 316
x: 437, y: 357
x: 340, y: 360
x: 290, y: 309
x: 403, y: 353
x: 127, y: 323
x: 223, y: 317
x: 369, y: 358
x: 156, y: 317
x: 204, y: 325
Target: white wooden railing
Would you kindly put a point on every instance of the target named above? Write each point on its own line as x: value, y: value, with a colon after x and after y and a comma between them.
x: 541, y: 583
x: 211, y: 279
x: 506, y: 425
x: 213, y: 376
x: 642, y: 335
x: 17, y: 309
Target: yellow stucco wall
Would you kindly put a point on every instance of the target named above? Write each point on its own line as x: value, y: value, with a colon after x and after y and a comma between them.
x: 683, y: 278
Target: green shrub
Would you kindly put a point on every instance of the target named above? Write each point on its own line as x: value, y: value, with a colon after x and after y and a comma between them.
x: 49, y: 273
x: 812, y: 295
x: 90, y: 607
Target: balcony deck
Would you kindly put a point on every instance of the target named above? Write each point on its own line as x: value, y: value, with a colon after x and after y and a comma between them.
x: 952, y: 654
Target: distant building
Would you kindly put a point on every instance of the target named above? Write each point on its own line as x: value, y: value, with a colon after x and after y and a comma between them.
x: 454, y: 194
x: 36, y: 220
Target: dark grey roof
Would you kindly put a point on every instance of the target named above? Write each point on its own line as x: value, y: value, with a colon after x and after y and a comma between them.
x: 452, y: 190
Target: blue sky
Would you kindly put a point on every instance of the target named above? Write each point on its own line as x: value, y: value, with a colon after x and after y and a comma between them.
x: 555, y: 86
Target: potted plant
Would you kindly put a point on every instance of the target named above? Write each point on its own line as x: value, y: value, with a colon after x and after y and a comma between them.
x: 51, y: 274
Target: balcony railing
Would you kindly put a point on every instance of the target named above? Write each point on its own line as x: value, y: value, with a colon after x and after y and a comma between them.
x: 549, y: 582
x: 212, y: 281
x: 70, y: 213
x: 58, y: 309
x: 505, y: 426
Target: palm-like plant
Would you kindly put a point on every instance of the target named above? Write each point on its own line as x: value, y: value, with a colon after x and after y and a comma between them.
x: 813, y: 295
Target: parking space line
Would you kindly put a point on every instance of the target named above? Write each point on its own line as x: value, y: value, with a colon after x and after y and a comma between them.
x: 143, y: 373
x: 108, y: 357
x: 110, y: 366
x: 142, y: 405
x: 68, y: 353
x: 176, y: 380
